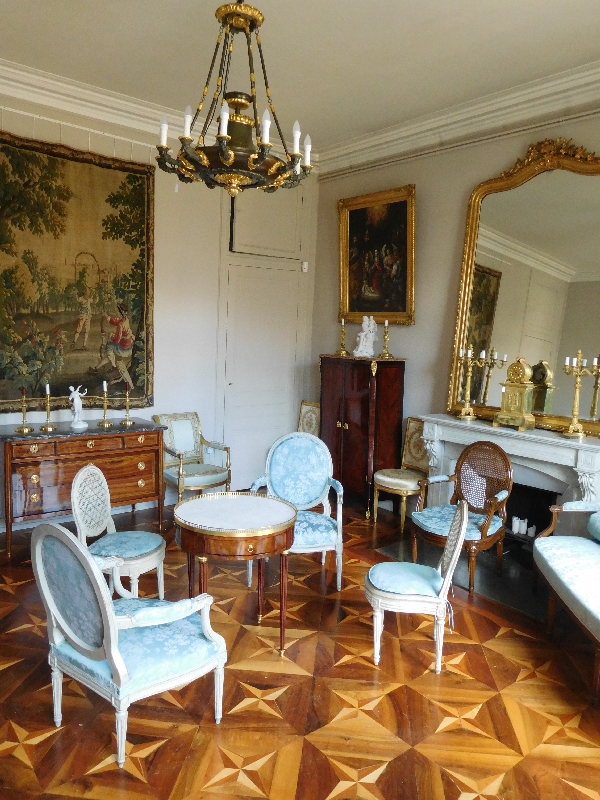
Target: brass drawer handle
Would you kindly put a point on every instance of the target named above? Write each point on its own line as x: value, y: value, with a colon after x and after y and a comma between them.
x: 141, y: 465
x: 34, y: 497
x: 338, y: 424
x: 33, y: 448
x: 35, y: 478
x: 141, y: 483
x: 345, y: 426
x: 141, y: 439
x: 90, y: 444
x: 250, y: 548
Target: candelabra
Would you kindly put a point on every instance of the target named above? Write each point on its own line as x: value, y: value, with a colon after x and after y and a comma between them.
x: 385, y: 353
x: 594, y: 406
x: 48, y: 427
x: 127, y: 423
x: 106, y: 423
x: 342, y: 352
x: 24, y: 428
x: 578, y: 368
x: 468, y: 362
x: 489, y: 365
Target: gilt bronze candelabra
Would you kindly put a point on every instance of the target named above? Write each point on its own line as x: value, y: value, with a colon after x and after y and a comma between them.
x: 492, y: 362
x: 468, y: 362
x: 578, y: 368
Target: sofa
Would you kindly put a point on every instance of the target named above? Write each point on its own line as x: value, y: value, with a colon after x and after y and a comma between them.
x: 570, y: 565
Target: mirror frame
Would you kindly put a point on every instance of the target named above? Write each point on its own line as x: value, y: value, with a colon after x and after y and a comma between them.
x: 545, y: 156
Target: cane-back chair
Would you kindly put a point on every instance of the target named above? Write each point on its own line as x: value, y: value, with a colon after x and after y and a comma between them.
x: 483, y: 478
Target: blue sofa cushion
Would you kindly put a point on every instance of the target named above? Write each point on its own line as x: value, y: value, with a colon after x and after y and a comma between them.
x: 405, y: 578
x: 437, y: 520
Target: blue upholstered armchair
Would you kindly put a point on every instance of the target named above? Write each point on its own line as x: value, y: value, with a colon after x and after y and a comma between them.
x: 126, y: 650
x: 299, y: 469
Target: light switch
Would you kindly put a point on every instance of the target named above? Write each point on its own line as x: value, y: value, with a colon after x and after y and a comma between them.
x: 305, y: 266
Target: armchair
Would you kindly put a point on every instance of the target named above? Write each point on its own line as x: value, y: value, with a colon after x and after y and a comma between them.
x: 184, y: 447
x: 483, y: 478
x: 124, y: 651
x: 299, y: 469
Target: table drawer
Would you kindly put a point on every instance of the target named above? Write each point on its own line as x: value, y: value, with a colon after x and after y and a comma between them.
x: 89, y: 444
x: 140, y: 440
x: 33, y: 449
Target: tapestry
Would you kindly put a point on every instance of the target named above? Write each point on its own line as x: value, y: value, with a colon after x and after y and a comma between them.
x: 482, y: 310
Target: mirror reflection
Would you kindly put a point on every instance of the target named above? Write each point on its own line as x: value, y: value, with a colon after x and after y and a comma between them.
x: 536, y: 284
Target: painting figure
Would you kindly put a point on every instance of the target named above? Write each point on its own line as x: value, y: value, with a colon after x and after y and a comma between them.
x: 119, y: 348
x: 83, y: 320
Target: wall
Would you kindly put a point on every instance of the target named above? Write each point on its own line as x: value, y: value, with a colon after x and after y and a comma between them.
x: 444, y: 182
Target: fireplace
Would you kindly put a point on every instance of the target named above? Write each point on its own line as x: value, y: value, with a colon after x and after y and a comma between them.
x: 532, y: 504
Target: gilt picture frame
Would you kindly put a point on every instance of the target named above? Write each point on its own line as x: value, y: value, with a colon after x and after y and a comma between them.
x: 377, y: 256
x: 76, y: 276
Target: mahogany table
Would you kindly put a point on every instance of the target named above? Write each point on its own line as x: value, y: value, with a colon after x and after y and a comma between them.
x: 242, y: 526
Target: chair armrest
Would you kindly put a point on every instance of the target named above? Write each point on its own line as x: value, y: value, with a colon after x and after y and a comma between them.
x: 338, y: 488
x: 112, y: 563
x: 500, y: 496
x: 262, y: 481
x: 172, y: 452
x: 574, y: 505
x: 218, y: 446
x: 162, y: 615
x: 427, y: 482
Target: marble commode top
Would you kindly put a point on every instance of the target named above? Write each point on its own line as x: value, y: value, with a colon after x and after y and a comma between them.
x: 231, y: 513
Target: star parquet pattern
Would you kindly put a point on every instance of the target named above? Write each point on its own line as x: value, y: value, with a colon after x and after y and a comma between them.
x: 510, y: 716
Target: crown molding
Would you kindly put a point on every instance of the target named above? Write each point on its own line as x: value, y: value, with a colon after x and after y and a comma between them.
x: 562, y: 96
x: 500, y: 247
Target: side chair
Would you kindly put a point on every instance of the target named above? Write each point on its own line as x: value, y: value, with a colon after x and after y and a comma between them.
x: 299, y: 469
x: 126, y: 650
x: 139, y: 551
x: 184, y: 446
x: 417, y: 589
x: 413, y: 468
x: 483, y: 477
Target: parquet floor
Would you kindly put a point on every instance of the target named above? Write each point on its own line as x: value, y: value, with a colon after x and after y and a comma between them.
x: 509, y: 717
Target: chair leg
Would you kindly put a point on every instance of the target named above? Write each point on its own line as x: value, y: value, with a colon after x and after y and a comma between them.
x: 413, y: 542
x: 219, y: 675
x: 499, y: 552
x: 596, y: 678
x: 111, y: 583
x: 134, y: 584
x: 121, y: 716
x: 402, y: 514
x: 377, y: 631
x: 375, y: 503
x: 249, y: 574
x: 439, y: 643
x: 160, y: 574
x: 472, y: 565
x: 57, y: 682
x: 551, y: 612
x: 338, y: 571
x: 323, y: 558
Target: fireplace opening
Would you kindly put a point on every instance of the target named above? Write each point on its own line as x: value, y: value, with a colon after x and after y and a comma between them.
x: 532, y: 504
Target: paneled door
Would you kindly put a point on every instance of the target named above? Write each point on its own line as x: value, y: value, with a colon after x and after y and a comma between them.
x: 263, y: 303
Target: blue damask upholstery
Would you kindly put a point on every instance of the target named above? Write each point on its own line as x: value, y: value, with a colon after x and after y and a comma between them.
x: 405, y: 578
x: 437, y: 520
x: 593, y: 526
x: 127, y: 544
x: 314, y: 530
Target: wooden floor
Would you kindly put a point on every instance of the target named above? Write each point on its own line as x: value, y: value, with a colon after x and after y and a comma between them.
x: 509, y: 717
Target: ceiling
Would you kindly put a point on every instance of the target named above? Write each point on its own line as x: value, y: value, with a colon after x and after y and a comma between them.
x: 344, y: 68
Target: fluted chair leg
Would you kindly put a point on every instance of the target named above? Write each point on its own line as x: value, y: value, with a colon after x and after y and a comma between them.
x: 134, y: 584
x: 121, y: 716
x: 472, y: 566
x: 219, y: 676
x: 377, y: 631
x: 57, y: 681
x: 439, y: 643
x: 160, y: 574
x: 375, y: 503
x: 323, y: 558
x: 249, y: 574
x: 338, y: 571
x: 413, y: 542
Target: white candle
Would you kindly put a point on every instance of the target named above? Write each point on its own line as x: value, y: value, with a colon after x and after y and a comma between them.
x: 264, y: 127
x: 343, y: 323
x: 224, y: 120
x: 469, y: 353
x: 585, y: 362
x: 47, y: 388
x: 386, y: 323
x: 296, y: 137
x: 307, y: 149
x: 574, y: 362
x: 503, y: 389
x: 164, y: 127
x: 595, y: 362
x: 482, y: 354
x: 567, y: 361
x: 187, y: 121
x: 505, y: 357
x: 460, y: 353
x: 104, y: 386
x: 494, y: 354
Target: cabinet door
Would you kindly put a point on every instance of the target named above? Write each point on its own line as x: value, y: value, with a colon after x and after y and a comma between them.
x: 332, y: 409
x: 389, y: 410
x: 356, y: 416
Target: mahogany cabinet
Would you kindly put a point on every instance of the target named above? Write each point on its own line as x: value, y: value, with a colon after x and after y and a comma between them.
x: 361, y: 418
x: 39, y: 468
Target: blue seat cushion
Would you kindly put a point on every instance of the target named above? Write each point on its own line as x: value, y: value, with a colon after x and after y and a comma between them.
x: 404, y: 578
x: 314, y: 530
x: 593, y: 526
x: 127, y: 544
x: 571, y: 565
x: 197, y: 476
x: 150, y: 654
x: 437, y: 520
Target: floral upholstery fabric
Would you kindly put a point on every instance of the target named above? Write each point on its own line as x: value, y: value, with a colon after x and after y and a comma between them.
x: 299, y: 470
x: 571, y: 565
x: 404, y: 578
x: 127, y: 544
x: 437, y: 520
x: 197, y: 475
x: 314, y: 530
x: 150, y: 654
x: 72, y: 591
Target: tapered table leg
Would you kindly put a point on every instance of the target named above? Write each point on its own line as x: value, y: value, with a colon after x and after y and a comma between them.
x: 203, y: 574
x: 261, y: 588
x: 283, y: 599
x: 192, y: 574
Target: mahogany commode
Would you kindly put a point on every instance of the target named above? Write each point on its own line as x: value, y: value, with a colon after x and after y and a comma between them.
x: 240, y: 525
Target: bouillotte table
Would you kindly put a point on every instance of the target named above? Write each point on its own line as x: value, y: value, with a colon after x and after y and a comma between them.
x: 242, y: 526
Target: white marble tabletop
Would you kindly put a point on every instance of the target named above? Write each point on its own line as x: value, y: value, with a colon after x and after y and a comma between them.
x: 235, y: 513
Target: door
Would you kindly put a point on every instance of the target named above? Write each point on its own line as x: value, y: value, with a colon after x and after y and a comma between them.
x: 260, y: 362
x: 355, y: 438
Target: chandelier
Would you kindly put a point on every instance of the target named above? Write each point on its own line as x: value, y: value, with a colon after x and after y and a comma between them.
x: 241, y: 157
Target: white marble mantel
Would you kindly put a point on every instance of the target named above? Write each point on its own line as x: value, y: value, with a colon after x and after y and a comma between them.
x: 543, y: 459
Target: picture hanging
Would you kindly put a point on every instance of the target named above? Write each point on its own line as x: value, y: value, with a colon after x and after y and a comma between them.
x: 377, y: 256
x: 480, y: 325
x: 76, y: 275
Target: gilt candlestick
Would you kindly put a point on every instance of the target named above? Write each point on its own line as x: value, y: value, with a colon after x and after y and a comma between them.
x: 48, y: 427
x: 24, y: 428
x: 385, y: 353
x: 594, y: 406
x: 127, y: 423
x: 104, y: 423
x: 342, y: 352
x: 578, y: 368
x: 468, y: 362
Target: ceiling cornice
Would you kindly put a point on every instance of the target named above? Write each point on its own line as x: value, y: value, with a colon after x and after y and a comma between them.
x: 561, y: 96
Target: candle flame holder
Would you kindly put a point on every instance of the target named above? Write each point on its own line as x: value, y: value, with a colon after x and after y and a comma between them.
x: 385, y: 353
x: 492, y: 362
x: 575, y: 429
x: 342, y: 352
x: 127, y: 423
x: 48, y: 427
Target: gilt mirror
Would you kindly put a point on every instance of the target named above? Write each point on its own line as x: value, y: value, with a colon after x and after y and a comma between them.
x: 530, y: 282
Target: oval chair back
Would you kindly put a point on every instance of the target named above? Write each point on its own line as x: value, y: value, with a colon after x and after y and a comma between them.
x: 453, y: 546
x: 90, y: 502
x: 483, y: 469
x: 299, y: 469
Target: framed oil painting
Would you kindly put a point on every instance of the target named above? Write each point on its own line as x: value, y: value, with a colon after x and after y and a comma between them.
x: 377, y: 256
x: 480, y: 325
x: 76, y: 275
